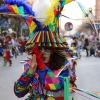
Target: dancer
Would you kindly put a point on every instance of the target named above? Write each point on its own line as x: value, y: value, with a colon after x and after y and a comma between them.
x: 46, y: 75
x: 7, y: 52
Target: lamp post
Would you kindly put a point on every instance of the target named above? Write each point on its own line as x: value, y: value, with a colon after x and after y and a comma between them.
x: 90, y: 10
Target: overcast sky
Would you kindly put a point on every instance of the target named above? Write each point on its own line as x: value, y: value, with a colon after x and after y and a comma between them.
x: 73, y: 11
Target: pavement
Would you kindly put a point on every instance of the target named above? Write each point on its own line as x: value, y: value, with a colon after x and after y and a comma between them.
x: 88, y: 76
x: 87, y: 71
x: 8, y: 75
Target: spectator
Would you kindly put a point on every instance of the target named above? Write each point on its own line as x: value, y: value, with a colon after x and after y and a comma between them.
x: 1, y: 47
x: 86, y: 47
x: 21, y: 46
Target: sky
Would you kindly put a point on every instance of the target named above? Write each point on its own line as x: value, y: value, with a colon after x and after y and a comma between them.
x: 73, y: 11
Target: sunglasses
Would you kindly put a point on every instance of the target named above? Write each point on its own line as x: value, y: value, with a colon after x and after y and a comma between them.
x: 46, y: 51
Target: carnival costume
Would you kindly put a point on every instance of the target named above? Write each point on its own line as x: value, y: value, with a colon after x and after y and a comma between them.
x: 72, y: 65
x: 7, y: 52
x: 44, y: 84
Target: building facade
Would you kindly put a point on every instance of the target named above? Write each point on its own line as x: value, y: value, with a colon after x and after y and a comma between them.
x: 97, y: 10
x: 97, y: 14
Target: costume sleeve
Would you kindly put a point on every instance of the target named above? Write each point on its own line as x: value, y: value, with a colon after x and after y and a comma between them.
x: 50, y: 81
x: 21, y: 87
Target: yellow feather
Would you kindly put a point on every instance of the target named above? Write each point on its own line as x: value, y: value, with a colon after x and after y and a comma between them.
x: 49, y: 19
x: 50, y: 12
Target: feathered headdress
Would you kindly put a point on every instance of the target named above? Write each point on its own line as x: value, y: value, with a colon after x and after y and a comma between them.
x: 42, y: 19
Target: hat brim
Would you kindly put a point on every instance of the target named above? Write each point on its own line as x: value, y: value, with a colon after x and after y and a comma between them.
x: 52, y: 46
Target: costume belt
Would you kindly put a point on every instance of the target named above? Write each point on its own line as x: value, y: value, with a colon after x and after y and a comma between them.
x: 54, y: 94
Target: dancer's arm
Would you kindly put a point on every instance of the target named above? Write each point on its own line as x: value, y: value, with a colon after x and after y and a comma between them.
x: 21, y: 87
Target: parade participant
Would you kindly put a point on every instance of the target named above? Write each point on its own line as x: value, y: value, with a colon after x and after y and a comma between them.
x: 21, y: 46
x: 7, y: 52
x: 46, y: 75
x: 87, y: 47
x: 1, y: 47
x: 72, y: 67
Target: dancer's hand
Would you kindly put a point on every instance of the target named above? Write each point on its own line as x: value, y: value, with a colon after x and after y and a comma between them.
x: 33, y: 64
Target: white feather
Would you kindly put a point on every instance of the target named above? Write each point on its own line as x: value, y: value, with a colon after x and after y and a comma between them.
x: 40, y: 7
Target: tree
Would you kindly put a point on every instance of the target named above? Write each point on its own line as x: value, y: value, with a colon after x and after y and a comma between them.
x: 84, y: 27
x: 15, y: 21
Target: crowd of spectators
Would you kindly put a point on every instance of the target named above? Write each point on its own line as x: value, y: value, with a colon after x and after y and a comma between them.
x: 18, y: 45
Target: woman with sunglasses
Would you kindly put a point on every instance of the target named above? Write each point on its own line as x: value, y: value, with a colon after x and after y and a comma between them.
x: 43, y: 75
x: 46, y: 73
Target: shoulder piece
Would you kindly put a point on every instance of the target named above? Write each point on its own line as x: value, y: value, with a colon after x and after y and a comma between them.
x: 64, y: 67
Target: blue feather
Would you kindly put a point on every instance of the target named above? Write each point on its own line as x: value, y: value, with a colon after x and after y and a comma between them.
x: 3, y: 8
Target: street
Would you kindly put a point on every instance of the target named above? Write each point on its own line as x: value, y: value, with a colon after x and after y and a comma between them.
x: 87, y: 71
